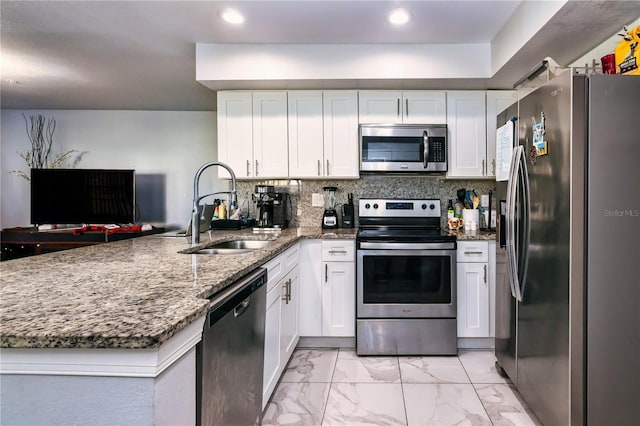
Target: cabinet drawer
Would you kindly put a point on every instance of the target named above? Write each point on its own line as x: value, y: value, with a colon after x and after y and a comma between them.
x: 280, y: 266
x: 473, y: 251
x: 338, y: 250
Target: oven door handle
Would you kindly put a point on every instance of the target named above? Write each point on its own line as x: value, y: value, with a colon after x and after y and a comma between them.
x: 407, y: 246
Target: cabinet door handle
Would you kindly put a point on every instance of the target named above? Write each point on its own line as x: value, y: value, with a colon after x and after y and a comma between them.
x: 472, y: 252
x: 337, y: 252
x: 398, y: 107
x: 485, y: 273
x: 285, y: 295
x: 483, y: 172
x: 327, y: 167
x: 326, y: 273
x: 256, y: 167
x: 248, y: 163
x: 406, y: 107
x: 318, y: 167
x: 493, y: 166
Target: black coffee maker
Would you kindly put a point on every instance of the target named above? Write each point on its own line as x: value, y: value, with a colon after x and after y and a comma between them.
x: 272, y: 208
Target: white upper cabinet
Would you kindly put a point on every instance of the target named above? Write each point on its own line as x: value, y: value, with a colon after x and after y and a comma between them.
x: 235, y: 134
x: 413, y: 106
x: 340, y: 116
x: 270, y: 140
x: 466, y: 123
x: 323, y: 134
x: 306, y: 152
x: 497, y: 101
x: 424, y: 107
x: 380, y: 106
x: 252, y: 133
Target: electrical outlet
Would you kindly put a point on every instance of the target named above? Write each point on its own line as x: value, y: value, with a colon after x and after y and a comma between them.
x: 317, y: 200
x: 484, y: 200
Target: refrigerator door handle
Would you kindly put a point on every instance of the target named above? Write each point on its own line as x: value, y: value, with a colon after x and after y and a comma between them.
x: 526, y: 220
x: 512, y: 186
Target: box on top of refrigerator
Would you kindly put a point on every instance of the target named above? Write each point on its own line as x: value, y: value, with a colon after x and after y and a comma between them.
x: 628, y: 53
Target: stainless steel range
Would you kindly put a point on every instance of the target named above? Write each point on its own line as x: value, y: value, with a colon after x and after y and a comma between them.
x: 406, y: 275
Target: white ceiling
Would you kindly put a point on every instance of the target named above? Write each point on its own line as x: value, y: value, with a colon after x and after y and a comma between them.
x: 141, y: 54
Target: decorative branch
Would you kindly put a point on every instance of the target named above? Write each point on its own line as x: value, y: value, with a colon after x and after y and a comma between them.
x: 40, y: 134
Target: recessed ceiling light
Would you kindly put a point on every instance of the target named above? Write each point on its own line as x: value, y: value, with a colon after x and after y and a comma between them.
x: 232, y: 16
x: 399, y: 17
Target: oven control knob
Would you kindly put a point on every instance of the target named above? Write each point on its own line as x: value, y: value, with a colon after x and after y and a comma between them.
x: 432, y: 206
x: 424, y: 207
x: 375, y: 206
x: 367, y: 206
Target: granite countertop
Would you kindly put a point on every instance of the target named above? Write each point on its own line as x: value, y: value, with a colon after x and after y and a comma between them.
x: 462, y: 235
x: 133, y: 294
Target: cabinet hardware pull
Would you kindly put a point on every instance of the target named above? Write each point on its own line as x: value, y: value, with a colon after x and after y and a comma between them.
x: 485, y: 273
x: 326, y: 273
x: 256, y: 167
x: 483, y: 172
x: 398, y: 107
x: 285, y: 296
x: 327, y: 167
x: 337, y: 252
x: 472, y: 252
x: 248, y: 167
x: 493, y: 166
x: 290, y: 289
x: 406, y: 107
x: 318, y: 167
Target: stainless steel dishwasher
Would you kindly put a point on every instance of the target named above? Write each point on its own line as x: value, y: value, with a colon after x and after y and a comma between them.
x: 229, y: 359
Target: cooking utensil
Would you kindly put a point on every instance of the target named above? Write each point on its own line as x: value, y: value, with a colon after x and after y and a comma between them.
x: 468, y: 202
x: 476, y: 199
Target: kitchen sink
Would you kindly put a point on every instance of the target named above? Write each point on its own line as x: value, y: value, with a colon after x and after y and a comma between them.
x: 232, y: 247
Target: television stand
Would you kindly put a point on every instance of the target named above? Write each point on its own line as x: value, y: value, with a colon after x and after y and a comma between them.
x: 29, y: 241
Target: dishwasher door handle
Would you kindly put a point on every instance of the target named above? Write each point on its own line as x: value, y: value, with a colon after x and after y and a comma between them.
x: 242, y: 307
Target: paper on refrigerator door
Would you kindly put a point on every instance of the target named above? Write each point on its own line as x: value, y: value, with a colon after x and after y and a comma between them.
x: 504, y: 147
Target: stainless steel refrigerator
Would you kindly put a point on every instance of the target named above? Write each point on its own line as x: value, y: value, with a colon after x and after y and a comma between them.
x: 568, y: 263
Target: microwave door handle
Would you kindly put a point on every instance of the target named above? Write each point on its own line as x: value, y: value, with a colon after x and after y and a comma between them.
x: 425, y: 143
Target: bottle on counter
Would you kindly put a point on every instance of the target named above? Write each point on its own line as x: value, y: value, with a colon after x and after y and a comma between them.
x: 450, y: 211
x: 458, y: 209
x: 222, y: 211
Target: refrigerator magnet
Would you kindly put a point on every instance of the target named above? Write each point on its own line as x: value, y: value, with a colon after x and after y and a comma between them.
x: 539, y: 141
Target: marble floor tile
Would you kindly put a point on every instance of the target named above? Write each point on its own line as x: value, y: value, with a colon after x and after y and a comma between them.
x: 297, y: 404
x: 350, y: 368
x: 481, y: 366
x: 432, y: 369
x: 443, y: 404
x: 311, y: 365
x: 365, y: 404
x: 504, y: 406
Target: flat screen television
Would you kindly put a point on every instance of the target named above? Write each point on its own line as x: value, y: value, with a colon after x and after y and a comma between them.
x: 82, y: 196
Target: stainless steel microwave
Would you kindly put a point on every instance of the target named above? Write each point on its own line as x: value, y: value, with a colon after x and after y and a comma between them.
x: 399, y: 148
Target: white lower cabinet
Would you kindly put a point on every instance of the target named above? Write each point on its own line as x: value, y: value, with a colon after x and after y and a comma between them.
x: 290, y: 300
x: 327, y: 288
x: 475, y: 307
x: 271, y: 345
x: 338, y: 299
x: 281, y: 320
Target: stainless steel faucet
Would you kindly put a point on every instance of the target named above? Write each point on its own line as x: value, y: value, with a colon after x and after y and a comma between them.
x: 195, y: 216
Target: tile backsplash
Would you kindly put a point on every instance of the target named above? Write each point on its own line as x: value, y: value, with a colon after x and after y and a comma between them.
x: 365, y: 187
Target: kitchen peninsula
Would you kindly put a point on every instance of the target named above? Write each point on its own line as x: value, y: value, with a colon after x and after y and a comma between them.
x: 107, y: 333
